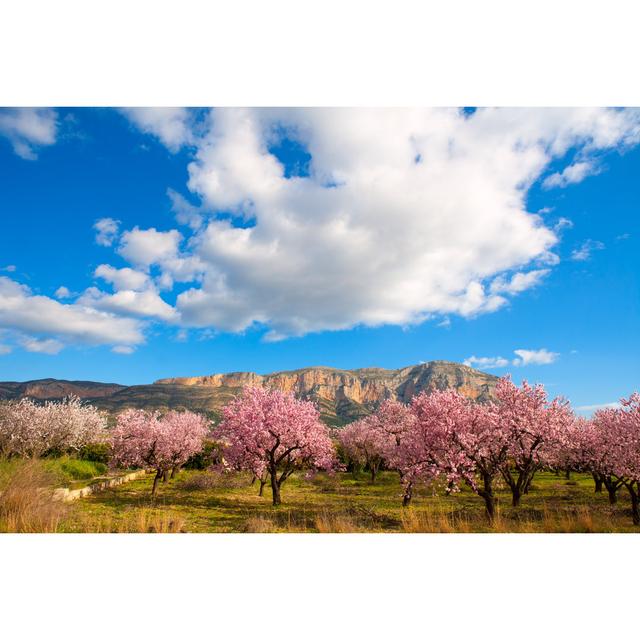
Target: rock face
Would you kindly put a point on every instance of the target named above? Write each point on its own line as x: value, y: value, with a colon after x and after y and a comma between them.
x: 342, y: 395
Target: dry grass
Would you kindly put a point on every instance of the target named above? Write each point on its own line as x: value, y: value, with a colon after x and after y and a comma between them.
x: 26, y: 500
x: 138, y: 521
x: 327, y: 522
x: 434, y: 522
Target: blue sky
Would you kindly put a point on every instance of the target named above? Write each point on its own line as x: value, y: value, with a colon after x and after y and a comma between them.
x: 304, y: 238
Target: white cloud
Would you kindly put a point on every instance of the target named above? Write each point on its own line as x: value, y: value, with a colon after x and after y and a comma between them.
x: 123, y: 350
x: 145, y: 247
x: 62, y: 292
x: 131, y: 303
x: 519, y: 282
x: 106, y: 231
x: 563, y: 223
x: 29, y: 314
x: 186, y: 213
x: 486, y: 363
x: 623, y: 236
x: 532, y: 356
x: 572, y: 174
x: 5, y: 349
x: 125, y: 278
x: 49, y: 346
x: 372, y: 236
x: 170, y: 124
x: 525, y: 357
x: 10, y: 268
x: 28, y: 129
x: 584, y: 252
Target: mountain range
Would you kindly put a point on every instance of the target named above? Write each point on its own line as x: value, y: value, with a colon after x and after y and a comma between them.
x: 342, y: 395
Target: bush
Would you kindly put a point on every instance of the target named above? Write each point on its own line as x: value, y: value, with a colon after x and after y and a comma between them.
x: 96, y: 452
x: 82, y: 469
x: 209, y: 456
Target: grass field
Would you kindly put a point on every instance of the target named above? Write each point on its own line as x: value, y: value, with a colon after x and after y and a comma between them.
x: 198, y: 501
x: 203, y: 501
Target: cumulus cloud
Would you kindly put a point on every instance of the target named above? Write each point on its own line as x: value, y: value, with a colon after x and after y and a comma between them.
x: 404, y: 214
x: 123, y: 350
x: 524, y: 357
x: 583, y: 253
x: 125, y: 278
x: 519, y: 282
x: 532, y: 356
x: 106, y: 231
x: 28, y: 129
x: 49, y: 346
x: 171, y: 125
x: 572, y: 174
x: 486, y: 363
x: 142, y: 304
x: 145, y: 247
x: 62, y: 292
x: 34, y: 315
x: 185, y: 212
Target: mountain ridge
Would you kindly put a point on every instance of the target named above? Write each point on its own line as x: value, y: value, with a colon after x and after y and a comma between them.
x: 341, y: 394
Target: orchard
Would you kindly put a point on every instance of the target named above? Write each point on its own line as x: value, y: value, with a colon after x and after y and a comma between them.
x: 438, y: 446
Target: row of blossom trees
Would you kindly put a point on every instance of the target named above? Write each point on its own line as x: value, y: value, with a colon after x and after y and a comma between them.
x: 162, y: 443
x: 450, y: 439
x: 31, y: 430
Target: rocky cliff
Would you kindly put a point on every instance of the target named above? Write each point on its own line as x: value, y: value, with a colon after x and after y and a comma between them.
x: 342, y: 395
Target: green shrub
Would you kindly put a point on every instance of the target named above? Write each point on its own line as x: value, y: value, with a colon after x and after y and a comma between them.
x: 82, y: 469
x: 209, y: 455
x: 99, y: 452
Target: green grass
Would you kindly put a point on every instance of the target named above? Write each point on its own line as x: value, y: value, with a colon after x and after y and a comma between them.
x: 65, y: 471
x: 199, y: 501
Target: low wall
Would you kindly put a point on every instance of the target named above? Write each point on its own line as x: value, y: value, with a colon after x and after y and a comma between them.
x: 69, y: 495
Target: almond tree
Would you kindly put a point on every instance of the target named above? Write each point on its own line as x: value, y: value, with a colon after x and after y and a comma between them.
x: 617, y: 443
x: 460, y: 441
x: 534, y: 428
x: 30, y: 430
x: 268, y: 431
x: 395, y: 421
x: 148, y: 440
x: 364, y: 443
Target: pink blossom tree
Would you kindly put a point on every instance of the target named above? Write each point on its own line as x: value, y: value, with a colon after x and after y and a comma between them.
x: 460, y: 441
x: 365, y: 443
x: 268, y: 431
x: 395, y: 421
x: 617, y: 443
x: 534, y: 427
x: 30, y: 430
x: 161, y: 443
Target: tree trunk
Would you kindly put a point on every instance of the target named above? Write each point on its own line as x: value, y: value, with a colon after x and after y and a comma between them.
x: 408, y: 493
x: 489, y: 499
x: 275, y: 486
x: 515, y: 496
x: 634, y: 493
x: 373, y: 475
x: 173, y: 472
x: 261, y: 491
x: 155, y: 482
x: 635, y: 507
x: 567, y: 474
x: 598, y: 482
x: 613, y: 494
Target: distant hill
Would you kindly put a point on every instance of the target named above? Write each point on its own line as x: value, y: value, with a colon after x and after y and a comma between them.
x: 342, y: 395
